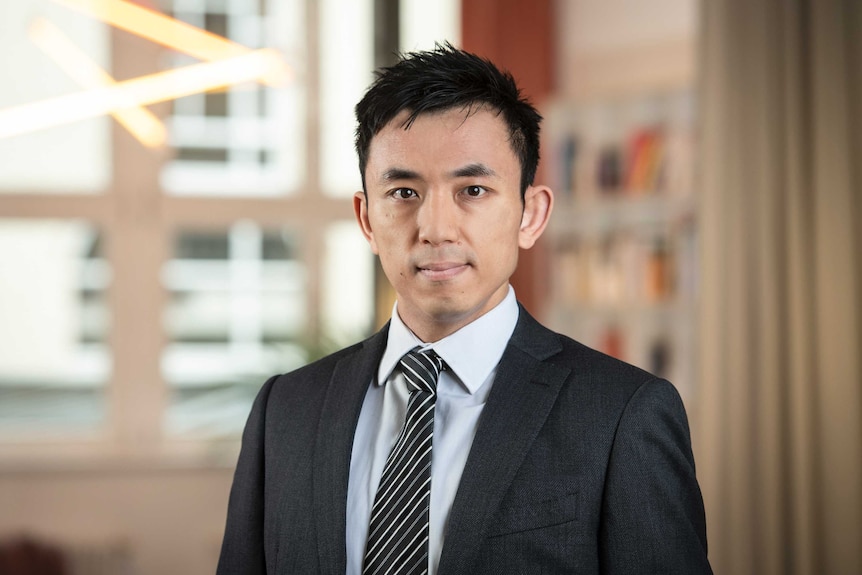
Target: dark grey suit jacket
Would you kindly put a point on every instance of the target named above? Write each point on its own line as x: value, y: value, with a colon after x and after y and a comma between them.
x: 581, y: 464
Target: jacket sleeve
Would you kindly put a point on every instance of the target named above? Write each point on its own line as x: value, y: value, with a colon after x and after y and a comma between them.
x: 653, y: 518
x: 242, y: 551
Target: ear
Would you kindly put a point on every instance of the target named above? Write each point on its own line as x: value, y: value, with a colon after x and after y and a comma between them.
x: 360, y: 208
x: 538, y: 205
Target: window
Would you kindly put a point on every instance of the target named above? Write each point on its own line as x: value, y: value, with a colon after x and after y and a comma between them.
x: 236, y: 315
x: 246, y: 140
x: 73, y: 158
x: 55, y: 361
x: 146, y: 294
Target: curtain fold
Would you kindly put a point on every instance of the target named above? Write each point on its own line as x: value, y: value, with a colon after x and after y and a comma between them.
x: 778, y: 440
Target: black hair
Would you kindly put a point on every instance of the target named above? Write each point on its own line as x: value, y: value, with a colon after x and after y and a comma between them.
x: 442, y: 79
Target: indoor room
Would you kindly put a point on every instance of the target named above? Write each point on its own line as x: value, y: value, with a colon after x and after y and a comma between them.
x: 177, y: 195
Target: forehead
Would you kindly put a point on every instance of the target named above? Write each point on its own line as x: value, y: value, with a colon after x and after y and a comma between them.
x: 446, y: 139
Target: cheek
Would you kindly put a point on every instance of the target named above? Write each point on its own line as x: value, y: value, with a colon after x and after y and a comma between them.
x: 393, y: 232
x: 394, y: 266
x: 386, y: 221
x: 381, y: 223
x: 501, y: 228
x: 503, y: 239
x: 390, y: 249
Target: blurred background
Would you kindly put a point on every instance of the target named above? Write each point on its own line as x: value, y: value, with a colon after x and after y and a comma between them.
x: 176, y: 225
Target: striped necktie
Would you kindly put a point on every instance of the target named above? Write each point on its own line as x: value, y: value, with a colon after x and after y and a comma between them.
x: 398, y: 532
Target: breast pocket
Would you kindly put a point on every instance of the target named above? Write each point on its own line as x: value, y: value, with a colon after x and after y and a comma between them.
x: 535, y: 513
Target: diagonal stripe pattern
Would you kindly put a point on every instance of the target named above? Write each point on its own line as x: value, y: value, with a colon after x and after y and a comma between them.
x: 398, y: 532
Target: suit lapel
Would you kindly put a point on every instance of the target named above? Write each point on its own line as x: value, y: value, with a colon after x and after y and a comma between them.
x: 524, y: 391
x: 340, y: 413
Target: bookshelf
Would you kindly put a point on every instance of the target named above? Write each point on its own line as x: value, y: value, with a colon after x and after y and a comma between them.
x: 623, y: 238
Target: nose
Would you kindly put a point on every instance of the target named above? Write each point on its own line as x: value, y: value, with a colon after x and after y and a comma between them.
x: 437, y: 219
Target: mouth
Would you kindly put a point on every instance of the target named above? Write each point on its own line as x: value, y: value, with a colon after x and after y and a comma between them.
x: 441, y: 271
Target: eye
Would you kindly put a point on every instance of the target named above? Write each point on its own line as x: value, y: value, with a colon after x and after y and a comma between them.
x: 475, y: 191
x: 403, y: 193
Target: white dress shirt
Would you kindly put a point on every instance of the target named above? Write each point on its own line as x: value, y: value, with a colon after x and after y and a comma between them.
x: 471, y: 354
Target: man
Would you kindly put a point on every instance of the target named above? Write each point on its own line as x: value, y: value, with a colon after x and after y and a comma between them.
x: 464, y: 437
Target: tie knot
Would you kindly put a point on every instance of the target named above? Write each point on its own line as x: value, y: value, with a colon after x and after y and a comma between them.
x: 421, y: 368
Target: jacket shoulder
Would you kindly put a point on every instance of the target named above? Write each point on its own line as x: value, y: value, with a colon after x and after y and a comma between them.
x: 586, y: 365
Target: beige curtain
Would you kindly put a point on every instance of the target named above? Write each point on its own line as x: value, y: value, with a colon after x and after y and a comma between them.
x: 778, y: 433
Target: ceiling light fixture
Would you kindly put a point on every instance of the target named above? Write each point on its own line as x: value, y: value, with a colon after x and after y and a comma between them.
x: 140, y: 122
x: 140, y: 91
x: 227, y: 64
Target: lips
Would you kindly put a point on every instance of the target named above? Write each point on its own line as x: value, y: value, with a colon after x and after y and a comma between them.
x: 441, y: 271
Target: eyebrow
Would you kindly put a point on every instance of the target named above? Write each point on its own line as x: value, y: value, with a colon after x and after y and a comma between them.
x: 395, y: 174
x: 474, y: 171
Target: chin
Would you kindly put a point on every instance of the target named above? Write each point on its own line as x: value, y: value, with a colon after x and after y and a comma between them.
x: 451, y: 314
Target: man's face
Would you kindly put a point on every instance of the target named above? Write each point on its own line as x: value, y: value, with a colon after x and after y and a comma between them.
x: 444, y: 213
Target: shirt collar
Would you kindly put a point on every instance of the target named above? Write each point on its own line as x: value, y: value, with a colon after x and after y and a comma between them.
x: 471, y: 353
